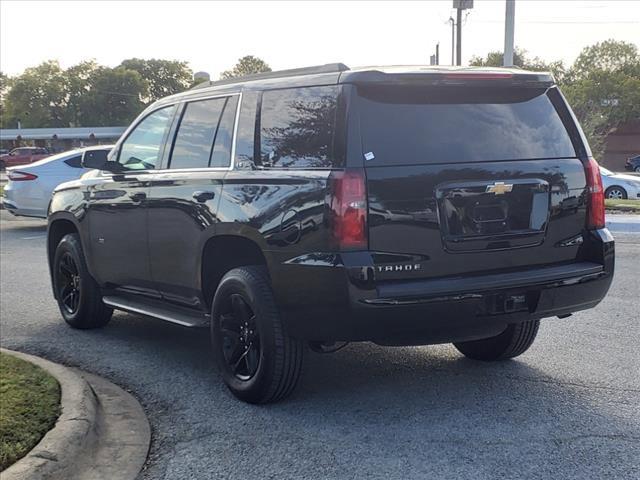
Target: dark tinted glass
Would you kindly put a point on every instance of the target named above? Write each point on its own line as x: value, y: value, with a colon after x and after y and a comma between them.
x: 454, y: 125
x: 245, y: 136
x: 296, y: 127
x: 197, y: 130
x: 221, y: 156
x: 74, y: 162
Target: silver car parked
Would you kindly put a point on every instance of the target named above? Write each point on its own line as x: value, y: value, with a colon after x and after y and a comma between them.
x: 29, y: 188
x: 620, y: 185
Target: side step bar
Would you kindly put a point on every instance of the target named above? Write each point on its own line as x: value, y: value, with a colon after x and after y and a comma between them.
x: 168, y: 313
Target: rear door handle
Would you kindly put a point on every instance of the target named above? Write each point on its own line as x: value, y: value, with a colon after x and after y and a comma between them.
x: 202, y: 197
x: 138, y: 196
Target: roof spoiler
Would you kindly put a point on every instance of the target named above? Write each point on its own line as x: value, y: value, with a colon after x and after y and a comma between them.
x: 480, y: 78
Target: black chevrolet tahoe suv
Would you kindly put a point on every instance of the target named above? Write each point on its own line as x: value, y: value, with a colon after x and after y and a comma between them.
x: 317, y: 206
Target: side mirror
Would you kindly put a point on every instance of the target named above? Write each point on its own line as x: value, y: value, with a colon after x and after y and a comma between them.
x: 95, y: 159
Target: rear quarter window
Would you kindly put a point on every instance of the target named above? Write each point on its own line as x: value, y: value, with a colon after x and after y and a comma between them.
x: 405, y: 125
x: 297, y: 127
x: 74, y: 162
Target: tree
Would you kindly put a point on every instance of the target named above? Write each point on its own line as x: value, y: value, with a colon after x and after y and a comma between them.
x: 609, y: 56
x: 113, y: 98
x: 521, y: 60
x: 246, y: 66
x: 36, y: 97
x: 77, y: 81
x: 603, y: 88
x: 163, y: 77
x: 4, y: 88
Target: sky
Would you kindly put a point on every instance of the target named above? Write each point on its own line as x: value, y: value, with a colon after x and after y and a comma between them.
x: 211, y: 36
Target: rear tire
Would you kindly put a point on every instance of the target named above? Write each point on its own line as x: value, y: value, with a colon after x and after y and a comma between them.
x: 78, y: 294
x: 514, y: 341
x: 258, y: 361
x: 637, y: 169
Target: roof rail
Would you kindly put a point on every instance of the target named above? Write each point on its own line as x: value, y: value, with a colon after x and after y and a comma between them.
x: 292, y: 72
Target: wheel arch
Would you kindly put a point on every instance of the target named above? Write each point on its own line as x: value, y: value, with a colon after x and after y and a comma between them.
x: 225, y: 252
x: 59, y: 226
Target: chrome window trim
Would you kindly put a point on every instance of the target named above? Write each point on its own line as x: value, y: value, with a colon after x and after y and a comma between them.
x: 235, y: 134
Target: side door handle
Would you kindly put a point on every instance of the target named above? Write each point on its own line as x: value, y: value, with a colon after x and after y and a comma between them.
x: 202, y: 197
x: 138, y: 196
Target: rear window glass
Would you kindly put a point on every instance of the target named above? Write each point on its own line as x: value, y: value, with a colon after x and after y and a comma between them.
x: 296, y: 127
x: 221, y: 156
x: 245, y: 137
x: 74, y: 162
x: 453, y: 125
x: 196, y: 133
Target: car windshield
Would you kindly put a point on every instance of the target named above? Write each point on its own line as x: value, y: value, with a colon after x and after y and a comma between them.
x: 606, y: 172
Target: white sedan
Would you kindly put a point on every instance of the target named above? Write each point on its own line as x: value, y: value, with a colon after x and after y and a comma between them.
x: 620, y: 185
x: 29, y: 188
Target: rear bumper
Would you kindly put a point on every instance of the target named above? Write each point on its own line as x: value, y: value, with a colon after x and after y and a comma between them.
x: 336, y: 298
x: 11, y: 202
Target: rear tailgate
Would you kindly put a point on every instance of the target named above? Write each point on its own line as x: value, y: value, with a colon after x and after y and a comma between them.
x: 464, y: 180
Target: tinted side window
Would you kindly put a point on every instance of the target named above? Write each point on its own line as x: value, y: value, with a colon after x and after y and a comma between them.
x: 221, y: 156
x: 296, y: 127
x: 74, y: 162
x: 197, y: 132
x: 143, y: 147
x: 245, y: 137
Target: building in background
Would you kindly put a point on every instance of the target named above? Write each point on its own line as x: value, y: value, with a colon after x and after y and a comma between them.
x: 622, y: 143
x: 59, y: 139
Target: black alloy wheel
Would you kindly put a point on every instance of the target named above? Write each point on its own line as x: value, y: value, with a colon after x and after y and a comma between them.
x: 77, y: 293
x: 240, y: 337
x: 69, y: 283
x: 259, y: 362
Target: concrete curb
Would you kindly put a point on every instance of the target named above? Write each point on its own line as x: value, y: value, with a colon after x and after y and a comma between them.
x: 55, y: 455
x: 101, y: 434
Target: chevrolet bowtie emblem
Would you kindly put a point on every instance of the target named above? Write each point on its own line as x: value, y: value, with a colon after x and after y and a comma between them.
x: 499, y: 188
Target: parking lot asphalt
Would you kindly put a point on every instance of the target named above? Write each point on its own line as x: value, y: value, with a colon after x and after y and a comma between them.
x: 569, y: 408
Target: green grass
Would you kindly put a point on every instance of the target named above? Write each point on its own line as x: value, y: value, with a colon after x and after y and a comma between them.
x: 29, y: 407
x: 623, y: 205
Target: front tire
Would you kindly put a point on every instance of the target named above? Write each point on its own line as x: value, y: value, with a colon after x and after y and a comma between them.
x: 514, y: 341
x: 78, y: 295
x: 258, y: 361
x: 615, y: 193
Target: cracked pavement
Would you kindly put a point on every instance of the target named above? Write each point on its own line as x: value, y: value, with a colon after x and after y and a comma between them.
x: 568, y: 408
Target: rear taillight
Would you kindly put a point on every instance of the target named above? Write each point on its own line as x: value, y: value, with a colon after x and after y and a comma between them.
x: 595, y: 195
x: 16, y: 176
x: 348, y: 206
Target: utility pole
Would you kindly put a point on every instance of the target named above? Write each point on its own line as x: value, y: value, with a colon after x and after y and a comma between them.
x: 509, y: 24
x: 460, y: 5
x: 459, y: 37
x: 453, y: 39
